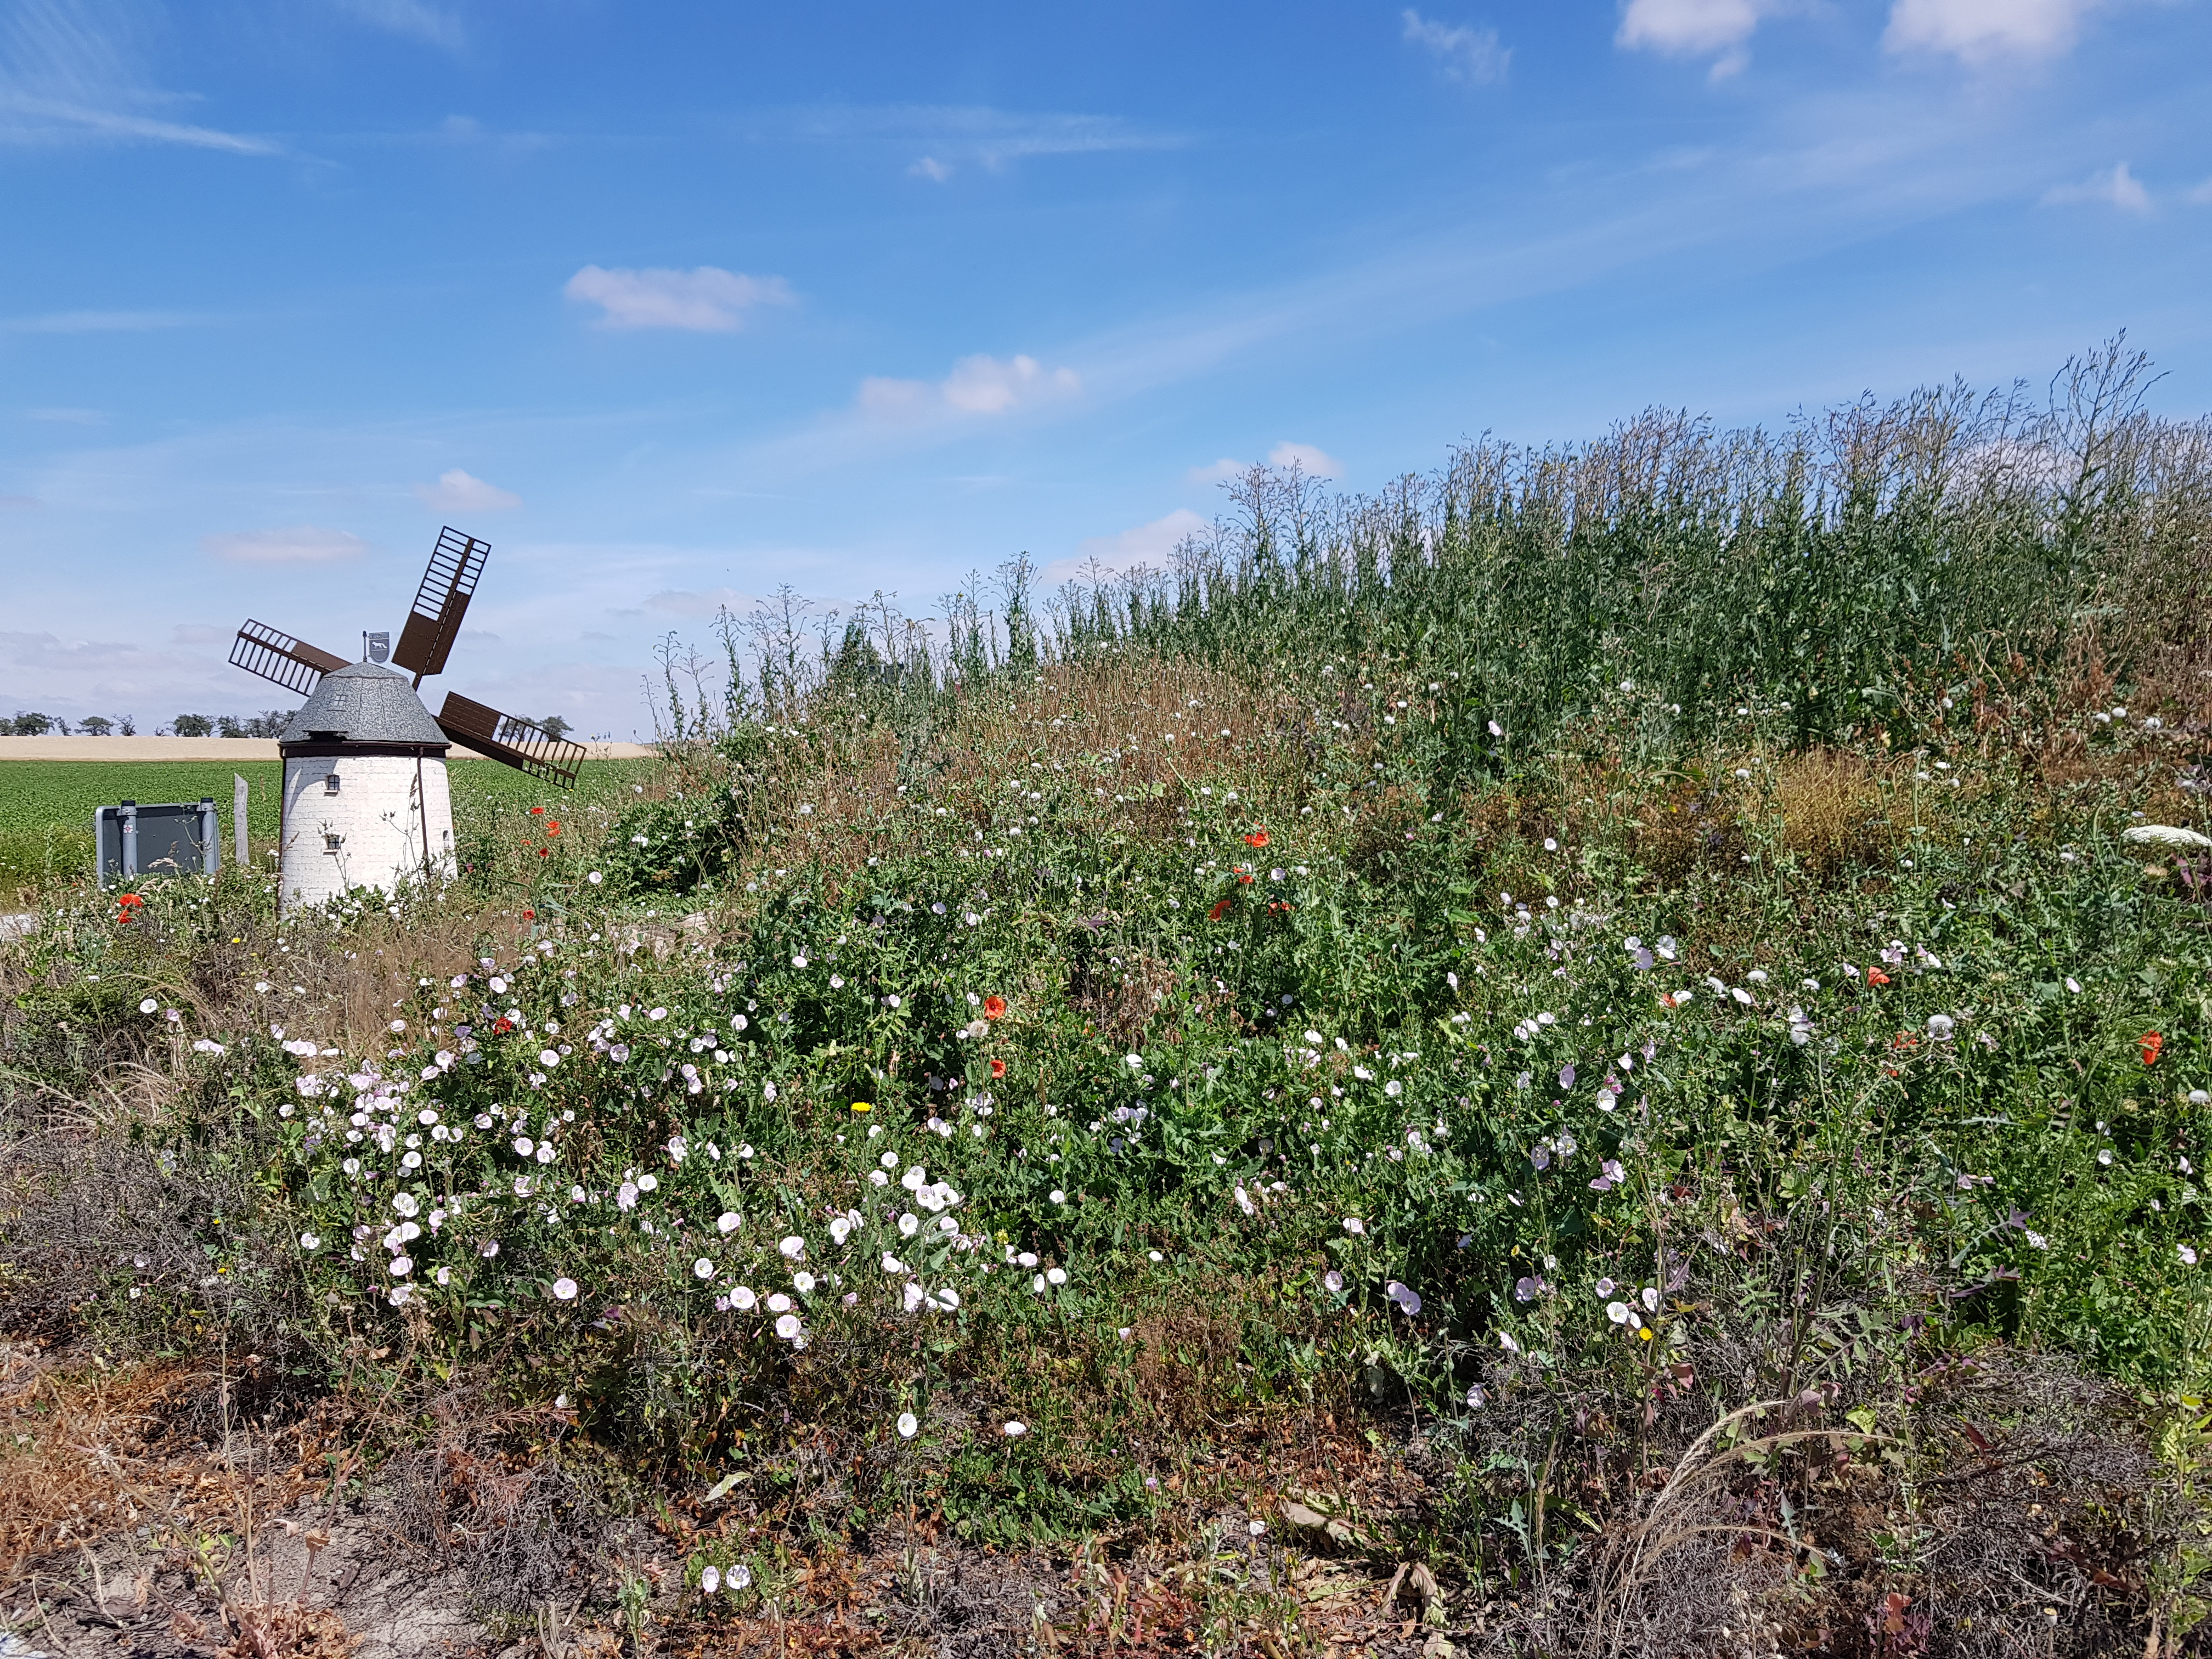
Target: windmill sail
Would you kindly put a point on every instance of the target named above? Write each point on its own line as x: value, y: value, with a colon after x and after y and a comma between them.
x: 521, y: 744
x: 278, y: 658
x: 441, y: 603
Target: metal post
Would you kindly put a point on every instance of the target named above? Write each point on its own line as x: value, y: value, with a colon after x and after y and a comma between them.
x: 210, y: 836
x: 129, y: 813
x: 238, y: 819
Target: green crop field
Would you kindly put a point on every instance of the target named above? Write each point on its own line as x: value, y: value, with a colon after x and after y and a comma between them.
x: 47, y: 806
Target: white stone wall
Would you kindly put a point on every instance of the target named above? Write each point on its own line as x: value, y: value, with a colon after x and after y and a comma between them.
x: 369, y: 833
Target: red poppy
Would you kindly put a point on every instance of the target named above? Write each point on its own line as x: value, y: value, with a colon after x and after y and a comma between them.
x: 502, y: 1026
x: 998, y: 1068
x: 553, y: 827
x: 1245, y: 877
x: 130, y: 903
x: 993, y: 1006
x: 544, y: 852
x: 1220, y: 909
x: 537, y: 811
x: 1257, y: 838
x: 530, y: 915
x: 2152, y: 1045
x: 1876, y: 976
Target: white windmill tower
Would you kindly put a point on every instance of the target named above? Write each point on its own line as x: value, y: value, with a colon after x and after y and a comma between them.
x: 367, y: 802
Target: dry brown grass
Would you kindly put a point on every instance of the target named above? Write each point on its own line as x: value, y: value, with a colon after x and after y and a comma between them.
x: 88, y: 1450
x: 1691, y: 826
x: 1831, y: 809
x: 1094, y: 725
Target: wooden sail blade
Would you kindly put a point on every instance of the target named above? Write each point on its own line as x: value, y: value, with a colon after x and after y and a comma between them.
x: 522, y: 744
x: 278, y: 658
x: 441, y: 603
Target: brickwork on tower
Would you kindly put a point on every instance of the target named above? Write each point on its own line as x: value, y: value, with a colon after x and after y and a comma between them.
x: 368, y: 830
x: 367, y: 801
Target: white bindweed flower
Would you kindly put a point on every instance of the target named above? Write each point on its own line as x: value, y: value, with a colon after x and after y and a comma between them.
x: 1058, y: 1196
x: 564, y: 1290
x: 702, y: 1268
x: 710, y: 1580
x: 726, y: 1222
x: 1055, y: 1275
x: 908, y: 1425
x: 794, y: 1248
x: 1354, y: 1225
x: 788, y: 1328
x: 1016, y: 1429
x: 310, y: 1242
x: 148, y: 1006
x: 737, y: 1578
x: 743, y: 1299
x: 803, y: 1283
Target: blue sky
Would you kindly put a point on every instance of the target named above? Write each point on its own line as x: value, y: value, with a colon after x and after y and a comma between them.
x: 676, y: 303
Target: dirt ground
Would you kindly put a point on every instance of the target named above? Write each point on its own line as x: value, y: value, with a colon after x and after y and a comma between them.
x: 136, y: 1521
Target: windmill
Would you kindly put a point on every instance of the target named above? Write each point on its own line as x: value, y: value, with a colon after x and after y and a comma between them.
x: 367, y: 801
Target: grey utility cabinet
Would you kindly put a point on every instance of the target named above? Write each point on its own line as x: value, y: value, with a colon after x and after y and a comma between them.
x: 174, y: 838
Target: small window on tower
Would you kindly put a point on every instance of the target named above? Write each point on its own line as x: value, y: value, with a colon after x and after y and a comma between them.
x: 331, y: 784
x: 332, y: 842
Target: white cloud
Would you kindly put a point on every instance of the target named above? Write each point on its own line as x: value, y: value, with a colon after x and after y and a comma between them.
x: 1463, y: 53
x: 458, y: 492
x: 198, y: 633
x: 1148, y: 546
x: 1694, y: 28
x: 2113, y: 187
x: 98, y: 322
x: 71, y: 74
x: 981, y: 385
x: 700, y: 602
x: 931, y: 168
x: 949, y: 134
x: 1978, y: 30
x: 1313, y: 463
x: 426, y: 23
x: 299, y: 543
x: 709, y: 300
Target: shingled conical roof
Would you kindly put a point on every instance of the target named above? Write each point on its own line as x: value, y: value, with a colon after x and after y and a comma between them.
x: 363, y: 702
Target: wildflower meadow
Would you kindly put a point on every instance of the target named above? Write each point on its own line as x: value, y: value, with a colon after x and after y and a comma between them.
x: 1626, y: 1027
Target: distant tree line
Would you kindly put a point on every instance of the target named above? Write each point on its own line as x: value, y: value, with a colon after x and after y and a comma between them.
x: 267, y: 724
x: 35, y: 725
